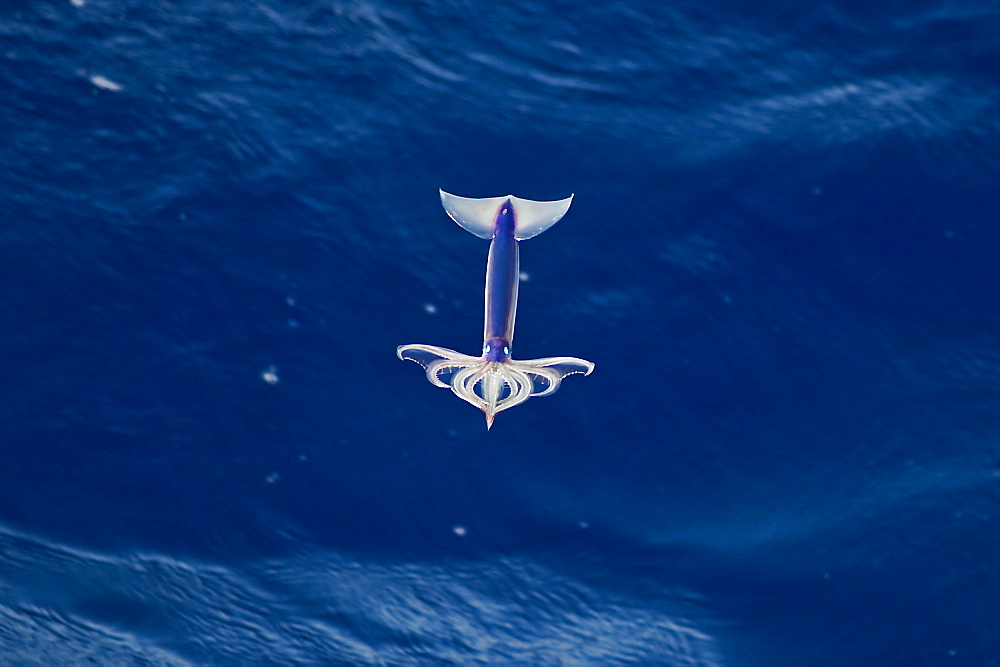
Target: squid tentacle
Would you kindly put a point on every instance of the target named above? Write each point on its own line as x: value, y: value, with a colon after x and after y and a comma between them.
x: 493, y: 386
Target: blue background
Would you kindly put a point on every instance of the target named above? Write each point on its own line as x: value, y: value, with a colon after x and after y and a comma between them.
x: 220, y: 218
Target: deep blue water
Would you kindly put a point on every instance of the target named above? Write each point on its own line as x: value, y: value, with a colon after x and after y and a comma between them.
x: 221, y: 218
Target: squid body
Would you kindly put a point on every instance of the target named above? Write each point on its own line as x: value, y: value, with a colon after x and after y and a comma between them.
x: 494, y: 381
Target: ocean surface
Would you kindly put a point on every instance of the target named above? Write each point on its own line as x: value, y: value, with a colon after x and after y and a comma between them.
x: 220, y: 218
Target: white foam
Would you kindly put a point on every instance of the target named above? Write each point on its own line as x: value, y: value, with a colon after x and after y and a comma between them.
x: 105, y: 84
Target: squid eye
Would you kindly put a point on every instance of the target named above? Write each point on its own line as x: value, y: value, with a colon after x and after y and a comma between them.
x: 487, y: 347
x: 506, y: 350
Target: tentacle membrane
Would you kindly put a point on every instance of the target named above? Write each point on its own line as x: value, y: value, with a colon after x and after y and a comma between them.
x: 492, y: 386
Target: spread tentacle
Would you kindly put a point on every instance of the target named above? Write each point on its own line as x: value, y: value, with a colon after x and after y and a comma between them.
x: 493, y: 386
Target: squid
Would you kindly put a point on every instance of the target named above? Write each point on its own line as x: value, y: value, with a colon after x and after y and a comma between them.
x: 494, y: 381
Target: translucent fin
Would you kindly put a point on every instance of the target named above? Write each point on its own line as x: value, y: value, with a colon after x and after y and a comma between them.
x: 473, y: 215
x: 440, y: 362
x: 534, y: 217
x: 478, y: 215
x: 546, y: 374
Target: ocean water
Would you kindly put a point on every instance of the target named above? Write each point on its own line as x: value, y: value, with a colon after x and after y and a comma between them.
x: 220, y: 218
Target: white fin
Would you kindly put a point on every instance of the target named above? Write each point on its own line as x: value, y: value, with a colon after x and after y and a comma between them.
x: 478, y: 215
x: 534, y: 217
x: 473, y: 215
